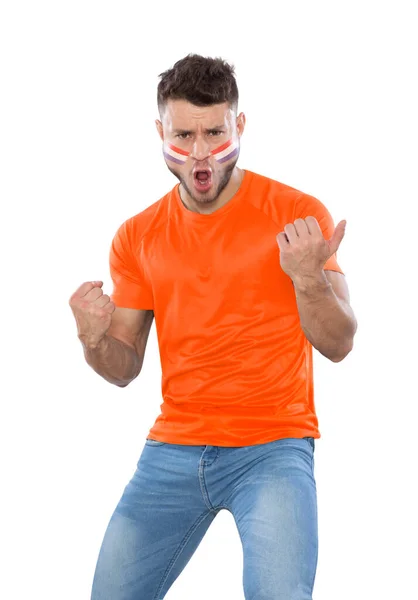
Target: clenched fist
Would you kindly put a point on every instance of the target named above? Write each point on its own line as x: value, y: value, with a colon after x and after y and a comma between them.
x: 92, y: 311
x: 304, y: 250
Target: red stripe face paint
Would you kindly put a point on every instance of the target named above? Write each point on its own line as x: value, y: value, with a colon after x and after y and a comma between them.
x: 174, y: 154
x: 221, y: 154
x: 225, y: 152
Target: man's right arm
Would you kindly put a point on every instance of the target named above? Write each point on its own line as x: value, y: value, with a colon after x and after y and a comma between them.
x: 119, y: 355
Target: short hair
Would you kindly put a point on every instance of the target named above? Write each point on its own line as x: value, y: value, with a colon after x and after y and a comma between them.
x: 199, y: 80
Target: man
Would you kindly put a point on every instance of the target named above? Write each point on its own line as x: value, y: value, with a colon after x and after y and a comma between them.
x: 240, y: 272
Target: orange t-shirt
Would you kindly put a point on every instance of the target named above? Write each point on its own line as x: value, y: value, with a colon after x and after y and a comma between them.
x: 236, y: 365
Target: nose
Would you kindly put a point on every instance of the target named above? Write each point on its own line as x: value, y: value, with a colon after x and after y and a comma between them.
x: 201, y: 149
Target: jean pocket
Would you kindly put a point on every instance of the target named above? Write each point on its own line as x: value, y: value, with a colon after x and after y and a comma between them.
x: 149, y: 442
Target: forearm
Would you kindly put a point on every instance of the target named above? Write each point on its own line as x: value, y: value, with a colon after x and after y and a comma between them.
x: 328, y: 323
x: 114, y: 360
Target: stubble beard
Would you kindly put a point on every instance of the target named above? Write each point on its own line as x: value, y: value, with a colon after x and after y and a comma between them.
x: 214, y: 195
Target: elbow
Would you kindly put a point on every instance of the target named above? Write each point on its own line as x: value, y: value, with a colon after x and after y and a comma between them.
x: 125, y: 383
x: 336, y: 358
x: 348, y: 344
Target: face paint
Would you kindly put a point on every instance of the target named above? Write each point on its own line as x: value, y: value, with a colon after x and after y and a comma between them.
x: 175, y: 154
x: 225, y: 152
x: 221, y: 154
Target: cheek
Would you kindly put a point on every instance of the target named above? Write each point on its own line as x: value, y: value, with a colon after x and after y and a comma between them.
x: 226, y: 151
x: 175, y: 155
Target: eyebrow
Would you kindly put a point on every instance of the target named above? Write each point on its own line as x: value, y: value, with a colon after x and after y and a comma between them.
x: 215, y: 128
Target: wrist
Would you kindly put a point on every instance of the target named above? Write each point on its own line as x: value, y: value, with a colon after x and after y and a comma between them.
x: 90, y: 343
x: 314, y: 282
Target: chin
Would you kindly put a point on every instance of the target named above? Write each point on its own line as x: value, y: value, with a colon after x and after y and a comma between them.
x: 223, y: 176
x: 204, y: 201
x: 206, y: 197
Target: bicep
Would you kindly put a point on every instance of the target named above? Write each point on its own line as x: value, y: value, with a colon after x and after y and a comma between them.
x: 132, y: 326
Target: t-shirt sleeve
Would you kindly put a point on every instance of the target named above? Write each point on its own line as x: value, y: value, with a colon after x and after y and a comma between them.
x: 309, y: 206
x: 131, y: 288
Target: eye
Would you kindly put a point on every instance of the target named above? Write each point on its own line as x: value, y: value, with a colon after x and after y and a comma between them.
x: 183, y: 136
x: 215, y: 132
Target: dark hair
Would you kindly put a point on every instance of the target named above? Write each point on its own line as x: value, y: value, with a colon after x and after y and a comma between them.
x: 199, y: 80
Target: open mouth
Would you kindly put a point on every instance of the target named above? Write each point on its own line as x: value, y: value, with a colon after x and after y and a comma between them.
x: 202, y: 179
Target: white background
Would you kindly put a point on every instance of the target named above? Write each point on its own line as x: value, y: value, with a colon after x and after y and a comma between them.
x: 329, y: 94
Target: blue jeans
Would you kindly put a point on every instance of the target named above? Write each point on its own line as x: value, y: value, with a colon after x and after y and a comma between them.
x: 175, y: 494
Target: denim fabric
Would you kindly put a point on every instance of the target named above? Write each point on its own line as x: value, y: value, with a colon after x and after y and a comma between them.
x: 175, y: 494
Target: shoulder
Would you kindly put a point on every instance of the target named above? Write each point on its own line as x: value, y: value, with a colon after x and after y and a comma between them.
x: 299, y: 200
x: 274, y: 198
x: 307, y: 204
x: 268, y: 184
x: 284, y: 204
x: 142, y: 224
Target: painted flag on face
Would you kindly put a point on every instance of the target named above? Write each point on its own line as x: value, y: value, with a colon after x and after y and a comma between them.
x: 226, y: 151
x: 174, y: 154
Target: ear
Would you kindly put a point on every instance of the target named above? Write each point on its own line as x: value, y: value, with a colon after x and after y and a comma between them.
x: 159, y: 126
x: 241, y: 120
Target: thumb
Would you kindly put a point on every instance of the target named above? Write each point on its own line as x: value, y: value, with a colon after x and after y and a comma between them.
x: 337, y: 237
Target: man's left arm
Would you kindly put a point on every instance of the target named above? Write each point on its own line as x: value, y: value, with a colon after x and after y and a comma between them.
x: 322, y: 296
x: 326, y: 316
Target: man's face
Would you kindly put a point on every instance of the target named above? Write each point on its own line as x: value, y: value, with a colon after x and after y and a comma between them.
x: 206, y: 146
